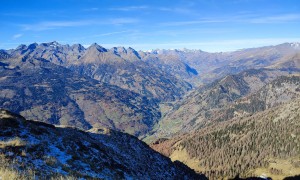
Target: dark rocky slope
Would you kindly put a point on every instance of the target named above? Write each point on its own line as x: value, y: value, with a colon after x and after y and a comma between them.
x: 46, y: 151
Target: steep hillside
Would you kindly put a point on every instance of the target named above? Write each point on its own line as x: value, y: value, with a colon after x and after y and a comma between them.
x: 206, y: 103
x: 124, y: 68
x: 289, y: 63
x: 117, y: 66
x: 39, y: 150
x: 41, y: 90
x: 172, y: 62
x: 281, y: 90
x: 261, y: 57
x: 264, y: 143
x: 4, y: 54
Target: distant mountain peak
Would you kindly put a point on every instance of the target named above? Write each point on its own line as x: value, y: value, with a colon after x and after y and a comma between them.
x: 97, y: 47
x: 78, y: 47
x: 54, y: 43
x: 130, y: 48
x: 120, y: 49
x: 50, y: 44
x: 128, y: 54
x: 32, y: 46
x: 21, y: 46
x: 295, y: 45
x: 133, y: 51
x: 3, y: 54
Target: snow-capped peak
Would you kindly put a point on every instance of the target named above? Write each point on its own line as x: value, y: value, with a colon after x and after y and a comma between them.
x: 295, y: 45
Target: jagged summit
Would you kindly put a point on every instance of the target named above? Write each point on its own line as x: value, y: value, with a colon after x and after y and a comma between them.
x: 295, y: 45
x: 51, y: 44
x: 97, y: 47
x: 33, y: 46
x: 159, y: 51
x: 129, y: 54
x: 21, y: 46
x: 4, y: 54
x: 78, y: 48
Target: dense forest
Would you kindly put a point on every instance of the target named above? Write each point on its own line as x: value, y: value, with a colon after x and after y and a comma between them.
x: 237, y: 147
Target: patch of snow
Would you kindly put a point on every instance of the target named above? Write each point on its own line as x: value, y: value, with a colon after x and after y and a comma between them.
x: 295, y: 45
x: 60, y: 155
x: 9, y: 153
x: 263, y: 176
x: 4, y: 115
x: 19, y: 159
x: 128, y: 177
x: 33, y: 140
x: 30, y: 139
x: 38, y: 162
x: 95, y: 150
x: 60, y: 171
x: 86, y: 143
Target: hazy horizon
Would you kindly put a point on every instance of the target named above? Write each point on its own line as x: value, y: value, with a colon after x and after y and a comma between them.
x: 209, y: 25
x: 108, y: 46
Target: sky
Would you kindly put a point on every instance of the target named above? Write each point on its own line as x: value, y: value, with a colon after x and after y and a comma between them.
x: 209, y: 25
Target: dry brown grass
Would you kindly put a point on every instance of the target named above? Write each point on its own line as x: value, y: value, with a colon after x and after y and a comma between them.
x: 284, y: 166
x: 15, y: 142
x: 9, y: 174
x: 64, y: 178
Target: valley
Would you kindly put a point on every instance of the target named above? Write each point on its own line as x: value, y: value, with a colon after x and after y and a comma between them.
x: 150, y: 90
x: 220, y: 114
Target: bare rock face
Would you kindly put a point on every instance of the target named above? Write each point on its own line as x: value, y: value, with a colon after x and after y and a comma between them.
x: 32, y: 147
x: 118, y: 66
x: 41, y: 90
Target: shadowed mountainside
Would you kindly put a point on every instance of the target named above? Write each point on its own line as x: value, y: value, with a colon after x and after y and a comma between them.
x: 41, y: 90
x: 258, y: 141
x: 40, y: 150
x: 211, y: 102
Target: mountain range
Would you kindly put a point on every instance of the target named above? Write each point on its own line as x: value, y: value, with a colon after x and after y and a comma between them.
x: 41, y: 90
x: 117, y: 66
x: 210, y: 111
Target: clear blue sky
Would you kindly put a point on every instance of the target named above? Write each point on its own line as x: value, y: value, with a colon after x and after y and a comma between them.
x: 210, y: 25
